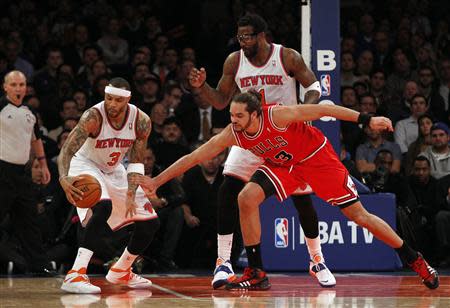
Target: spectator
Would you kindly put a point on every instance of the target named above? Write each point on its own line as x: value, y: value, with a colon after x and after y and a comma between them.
x: 171, y: 97
x: 401, y: 109
x: 444, y: 89
x: 148, y: 92
x: 367, y: 104
x: 168, y: 206
x: 349, y: 98
x: 12, y: 51
x: 401, y: 74
x: 366, y: 152
x: 443, y: 221
x: 406, y: 131
x: 45, y: 80
x: 382, y: 48
x: 73, y: 53
x: 364, y: 64
x: 422, y: 142
x: 429, y: 90
x: 348, y: 77
x: 439, y: 152
x: 424, y: 188
x: 115, y: 48
x: 378, y: 90
x: 171, y: 148
x: 158, y: 115
x: 201, y: 184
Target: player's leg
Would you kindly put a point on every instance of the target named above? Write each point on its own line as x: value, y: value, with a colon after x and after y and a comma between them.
x: 120, y: 272
x: 307, y: 216
x: 227, y: 213
x: 382, y: 231
x: 76, y: 280
x: 249, y: 199
x: 239, y: 167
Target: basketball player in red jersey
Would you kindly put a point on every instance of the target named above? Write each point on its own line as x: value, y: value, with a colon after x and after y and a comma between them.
x: 96, y: 146
x: 273, y: 70
x: 292, y: 152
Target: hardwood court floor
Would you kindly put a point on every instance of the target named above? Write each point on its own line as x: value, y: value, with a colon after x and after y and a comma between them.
x: 288, y: 290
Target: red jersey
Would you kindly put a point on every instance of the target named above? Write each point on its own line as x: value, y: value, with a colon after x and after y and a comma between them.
x: 285, y: 146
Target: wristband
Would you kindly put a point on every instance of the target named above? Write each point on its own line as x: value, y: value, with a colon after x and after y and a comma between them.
x: 364, y: 119
x: 40, y: 157
x: 135, y: 168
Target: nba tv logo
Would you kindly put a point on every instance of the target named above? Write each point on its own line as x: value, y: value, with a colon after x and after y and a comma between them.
x: 325, y: 84
x: 281, y: 232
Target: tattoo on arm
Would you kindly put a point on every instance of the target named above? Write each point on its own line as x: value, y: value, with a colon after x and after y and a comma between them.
x: 136, y: 154
x: 88, y: 124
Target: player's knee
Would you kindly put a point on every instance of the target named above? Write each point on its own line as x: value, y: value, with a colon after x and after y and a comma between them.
x: 103, y: 209
x: 362, y: 219
x: 246, y: 200
x: 147, y: 228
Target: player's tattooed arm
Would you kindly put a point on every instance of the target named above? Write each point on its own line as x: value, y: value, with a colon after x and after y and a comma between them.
x: 88, y: 125
x: 136, y: 153
x: 220, y: 97
x: 297, y: 68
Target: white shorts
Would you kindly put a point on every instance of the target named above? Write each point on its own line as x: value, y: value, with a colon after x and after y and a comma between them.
x: 114, y: 187
x: 242, y: 164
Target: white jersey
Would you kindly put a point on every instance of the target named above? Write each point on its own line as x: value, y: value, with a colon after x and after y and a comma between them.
x: 109, y: 147
x: 271, y: 77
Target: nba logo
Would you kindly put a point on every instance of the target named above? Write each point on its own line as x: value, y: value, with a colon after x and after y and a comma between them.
x: 281, y: 232
x: 325, y: 84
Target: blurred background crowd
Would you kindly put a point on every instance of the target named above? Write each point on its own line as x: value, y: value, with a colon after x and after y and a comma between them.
x: 395, y: 62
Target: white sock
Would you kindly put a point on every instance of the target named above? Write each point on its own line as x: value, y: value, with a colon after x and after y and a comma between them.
x: 126, y: 260
x: 83, y: 257
x: 224, y: 243
x: 314, y: 249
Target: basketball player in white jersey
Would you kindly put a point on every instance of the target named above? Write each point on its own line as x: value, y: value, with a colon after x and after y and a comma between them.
x: 96, y: 146
x: 272, y: 70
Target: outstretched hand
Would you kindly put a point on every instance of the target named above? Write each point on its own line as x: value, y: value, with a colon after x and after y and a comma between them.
x: 381, y: 123
x: 147, y: 183
x: 197, y: 77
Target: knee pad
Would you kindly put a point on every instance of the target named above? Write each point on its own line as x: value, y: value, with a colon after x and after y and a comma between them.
x: 227, y: 205
x: 307, y: 215
x: 143, y: 234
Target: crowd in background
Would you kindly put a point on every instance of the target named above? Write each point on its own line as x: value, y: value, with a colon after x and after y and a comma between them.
x: 395, y: 61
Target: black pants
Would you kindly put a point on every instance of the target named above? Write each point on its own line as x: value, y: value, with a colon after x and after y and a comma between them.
x: 19, y: 200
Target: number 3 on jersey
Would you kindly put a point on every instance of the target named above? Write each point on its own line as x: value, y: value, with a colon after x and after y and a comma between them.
x: 114, y: 158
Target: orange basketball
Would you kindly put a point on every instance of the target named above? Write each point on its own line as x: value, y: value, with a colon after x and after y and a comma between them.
x: 91, y: 189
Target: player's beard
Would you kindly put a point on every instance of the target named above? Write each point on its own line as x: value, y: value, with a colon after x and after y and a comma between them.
x: 251, y: 52
x: 241, y: 128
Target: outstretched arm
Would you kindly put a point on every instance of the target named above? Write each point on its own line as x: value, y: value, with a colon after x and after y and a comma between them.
x: 207, y: 151
x: 219, y: 98
x: 284, y: 115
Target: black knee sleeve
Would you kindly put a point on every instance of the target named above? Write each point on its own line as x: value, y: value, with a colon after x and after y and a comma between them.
x: 307, y: 215
x: 227, y: 205
x: 142, y: 236
x: 97, y: 226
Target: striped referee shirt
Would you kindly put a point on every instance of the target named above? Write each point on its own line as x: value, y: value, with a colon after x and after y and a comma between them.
x: 17, y: 126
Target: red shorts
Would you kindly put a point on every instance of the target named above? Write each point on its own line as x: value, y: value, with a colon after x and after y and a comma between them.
x: 326, y: 175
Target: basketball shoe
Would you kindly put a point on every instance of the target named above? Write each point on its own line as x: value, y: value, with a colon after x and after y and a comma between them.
x: 321, y: 272
x: 78, y: 282
x: 223, y: 273
x: 428, y: 274
x: 252, y: 279
x: 127, y: 277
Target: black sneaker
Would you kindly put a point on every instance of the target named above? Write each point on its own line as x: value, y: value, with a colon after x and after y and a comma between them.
x: 428, y: 274
x: 252, y: 279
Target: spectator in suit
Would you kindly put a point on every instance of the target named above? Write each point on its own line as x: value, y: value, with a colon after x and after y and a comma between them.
x: 197, y: 118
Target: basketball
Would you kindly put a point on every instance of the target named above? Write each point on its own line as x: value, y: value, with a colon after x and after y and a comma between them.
x: 91, y: 189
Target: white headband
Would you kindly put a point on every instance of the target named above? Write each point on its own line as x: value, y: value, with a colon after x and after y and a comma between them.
x: 117, y: 91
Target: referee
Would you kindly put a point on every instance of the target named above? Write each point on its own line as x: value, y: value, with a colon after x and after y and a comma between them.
x: 19, y: 133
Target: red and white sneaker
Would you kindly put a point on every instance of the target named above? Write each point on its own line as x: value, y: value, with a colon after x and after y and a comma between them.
x: 78, y: 282
x: 127, y: 277
x: 428, y: 274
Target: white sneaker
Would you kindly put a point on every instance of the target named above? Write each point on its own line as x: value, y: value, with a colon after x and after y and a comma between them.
x: 127, y: 277
x: 78, y: 282
x: 223, y: 273
x: 322, y: 274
